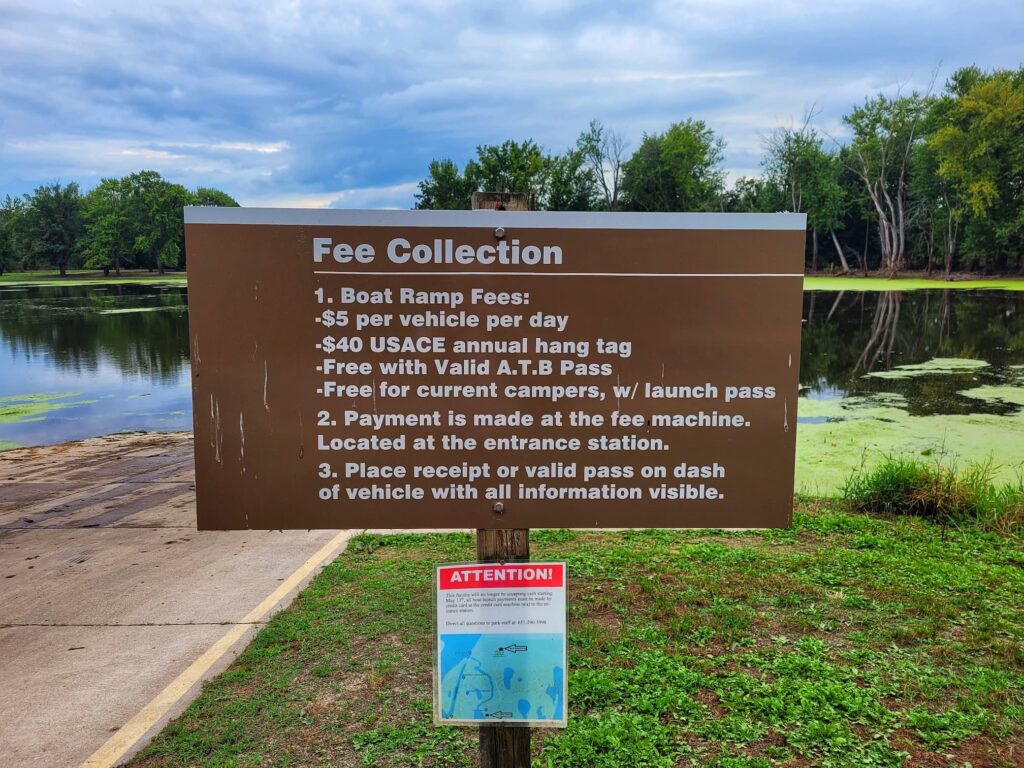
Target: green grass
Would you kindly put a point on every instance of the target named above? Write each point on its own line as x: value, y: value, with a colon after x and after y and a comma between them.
x: 89, y: 277
x: 848, y: 640
x: 859, y: 283
x: 901, y: 485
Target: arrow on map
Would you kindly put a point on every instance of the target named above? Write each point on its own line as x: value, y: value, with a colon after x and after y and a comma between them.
x: 514, y: 648
x: 498, y: 715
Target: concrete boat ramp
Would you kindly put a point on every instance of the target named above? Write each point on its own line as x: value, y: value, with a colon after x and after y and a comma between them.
x: 113, y: 608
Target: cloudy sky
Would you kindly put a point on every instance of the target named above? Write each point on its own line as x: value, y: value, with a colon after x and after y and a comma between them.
x: 343, y: 103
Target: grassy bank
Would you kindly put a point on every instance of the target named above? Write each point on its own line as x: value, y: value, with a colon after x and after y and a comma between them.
x: 848, y: 640
x: 90, y: 277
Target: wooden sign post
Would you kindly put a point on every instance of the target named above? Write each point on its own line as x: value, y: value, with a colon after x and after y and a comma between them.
x: 503, y: 746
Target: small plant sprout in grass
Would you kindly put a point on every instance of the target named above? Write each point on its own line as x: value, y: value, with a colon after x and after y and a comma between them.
x: 901, y: 485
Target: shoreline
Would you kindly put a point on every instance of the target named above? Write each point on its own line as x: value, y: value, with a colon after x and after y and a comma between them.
x: 908, y: 281
x: 911, y: 281
x: 37, y: 279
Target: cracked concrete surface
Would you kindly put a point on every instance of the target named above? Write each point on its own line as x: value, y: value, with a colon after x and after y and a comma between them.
x: 108, y: 592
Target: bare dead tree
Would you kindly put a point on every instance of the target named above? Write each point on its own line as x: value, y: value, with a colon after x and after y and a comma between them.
x: 780, y: 147
x: 885, y: 132
x: 605, y: 153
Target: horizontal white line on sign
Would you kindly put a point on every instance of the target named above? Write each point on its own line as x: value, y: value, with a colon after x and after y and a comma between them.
x: 328, y: 217
x: 571, y: 274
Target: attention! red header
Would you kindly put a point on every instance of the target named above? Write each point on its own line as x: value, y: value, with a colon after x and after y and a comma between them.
x: 497, y: 576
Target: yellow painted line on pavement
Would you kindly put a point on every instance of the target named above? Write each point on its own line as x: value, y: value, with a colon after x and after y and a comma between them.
x: 129, y: 734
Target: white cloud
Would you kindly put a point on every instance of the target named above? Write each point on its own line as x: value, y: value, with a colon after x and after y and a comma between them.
x: 322, y: 103
x: 392, y: 196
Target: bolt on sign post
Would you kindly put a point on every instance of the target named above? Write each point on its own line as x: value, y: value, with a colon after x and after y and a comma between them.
x: 475, y: 369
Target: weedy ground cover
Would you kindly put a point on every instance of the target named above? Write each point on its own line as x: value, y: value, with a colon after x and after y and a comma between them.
x: 900, y: 485
x: 848, y: 640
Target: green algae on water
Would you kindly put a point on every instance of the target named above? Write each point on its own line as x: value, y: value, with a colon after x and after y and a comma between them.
x: 862, y: 430
x: 64, y: 282
x: 21, y: 409
x: 935, y: 366
x: 855, y: 283
x: 1009, y: 395
x: 6, y: 446
x: 133, y: 310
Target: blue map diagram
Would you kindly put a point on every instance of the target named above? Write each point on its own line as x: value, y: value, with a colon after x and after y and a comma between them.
x: 502, y: 677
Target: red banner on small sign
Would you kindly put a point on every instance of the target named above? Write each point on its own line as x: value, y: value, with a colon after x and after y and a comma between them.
x: 501, y: 576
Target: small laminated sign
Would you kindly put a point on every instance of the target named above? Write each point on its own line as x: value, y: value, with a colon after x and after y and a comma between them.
x: 500, y: 645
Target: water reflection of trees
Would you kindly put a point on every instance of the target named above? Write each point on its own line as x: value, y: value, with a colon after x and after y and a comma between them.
x: 882, y: 341
x: 69, y: 324
x: 847, y: 334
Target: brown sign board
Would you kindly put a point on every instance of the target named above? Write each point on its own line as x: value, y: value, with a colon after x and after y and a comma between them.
x: 486, y: 369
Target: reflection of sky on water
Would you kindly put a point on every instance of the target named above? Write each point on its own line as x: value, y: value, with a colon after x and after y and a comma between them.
x: 134, y: 364
x: 120, y: 371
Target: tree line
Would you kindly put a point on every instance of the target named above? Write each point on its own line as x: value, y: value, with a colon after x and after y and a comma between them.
x: 930, y: 181
x: 134, y: 222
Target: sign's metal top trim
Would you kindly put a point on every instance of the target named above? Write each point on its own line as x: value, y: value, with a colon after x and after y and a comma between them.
x: 336, y: 217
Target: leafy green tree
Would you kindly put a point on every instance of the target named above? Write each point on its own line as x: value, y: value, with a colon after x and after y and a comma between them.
x: 109, y: 229
x: 755, y: 195
x: 799, y: 164
x: 138, y: 221
x: 514, y: 167
x: 826, y: 202
x: 12, y: 212
x: 53, y: 224
x: 981, y: 152
x: 212, y: 197
x: 570, y: 183
x: 445, y: 189
x: 938, y: 209
x: 678, y: 170
x: 157, y: 210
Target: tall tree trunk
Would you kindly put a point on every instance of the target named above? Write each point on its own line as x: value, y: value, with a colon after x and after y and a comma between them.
x: 814, y: 250
x: 952, y: 229
x: 931, y: 249
x: 867, y: 239
x: 839, y: 250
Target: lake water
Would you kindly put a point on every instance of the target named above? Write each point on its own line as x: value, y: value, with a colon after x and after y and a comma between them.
x: 81, y: 361
x: 936, y: 373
